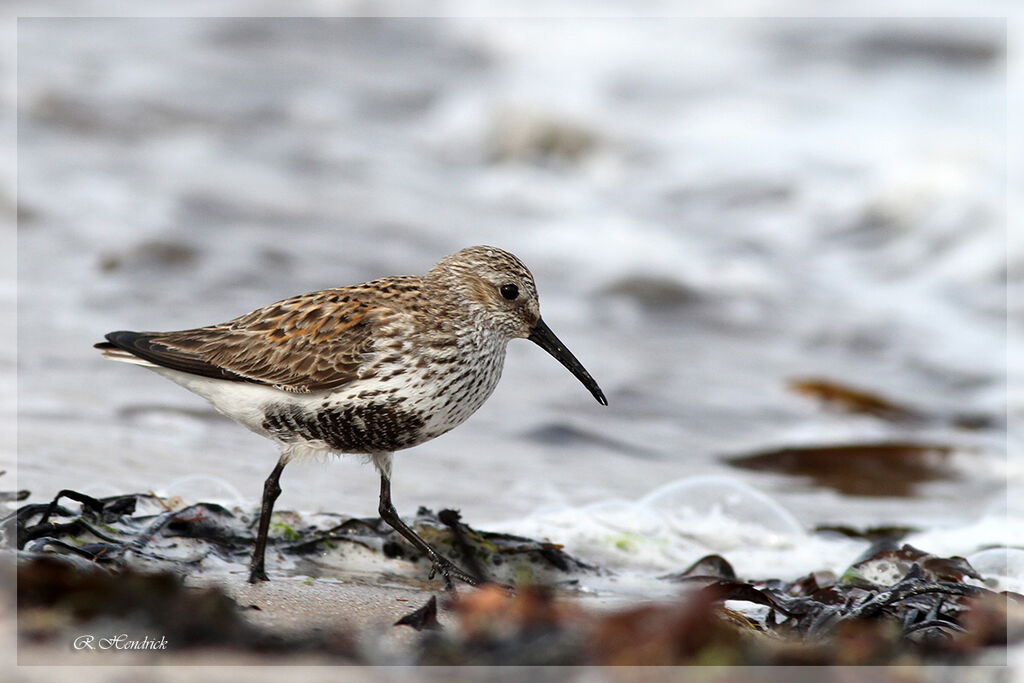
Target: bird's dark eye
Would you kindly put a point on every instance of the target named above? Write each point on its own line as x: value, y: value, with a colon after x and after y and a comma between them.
x: 509, y: 291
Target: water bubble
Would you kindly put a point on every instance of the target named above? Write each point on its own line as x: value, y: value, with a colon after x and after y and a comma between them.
x: 1004, y: 565
x: 723, y: 513
x: 206, y: 487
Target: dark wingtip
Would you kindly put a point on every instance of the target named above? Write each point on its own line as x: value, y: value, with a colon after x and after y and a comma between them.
x: 599, y: 395
x: 148, y: 347
x: 121, y: 339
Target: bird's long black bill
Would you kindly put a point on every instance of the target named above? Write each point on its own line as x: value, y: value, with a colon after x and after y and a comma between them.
x: 542, y: 336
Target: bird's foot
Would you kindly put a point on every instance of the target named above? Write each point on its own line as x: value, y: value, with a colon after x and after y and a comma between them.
x: 449, y: 571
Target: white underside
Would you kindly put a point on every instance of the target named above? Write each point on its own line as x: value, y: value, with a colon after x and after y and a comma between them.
x: 246, y: 403
x: 243, y: 402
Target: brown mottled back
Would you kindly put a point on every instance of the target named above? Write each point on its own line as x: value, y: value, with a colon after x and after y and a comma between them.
x: 326, y: 339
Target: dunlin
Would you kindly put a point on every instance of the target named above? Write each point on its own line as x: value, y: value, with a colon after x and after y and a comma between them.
x: 372, y: 368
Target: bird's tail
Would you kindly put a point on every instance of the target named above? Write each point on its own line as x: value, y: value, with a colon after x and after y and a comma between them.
x: 117, y: 353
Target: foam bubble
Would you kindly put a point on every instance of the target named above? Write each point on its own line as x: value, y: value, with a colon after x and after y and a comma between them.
x: 1004, y: 566
x: 205, y: 487
x: 724, y: 513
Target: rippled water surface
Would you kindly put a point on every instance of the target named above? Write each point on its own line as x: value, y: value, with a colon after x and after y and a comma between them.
x: 712, y: 209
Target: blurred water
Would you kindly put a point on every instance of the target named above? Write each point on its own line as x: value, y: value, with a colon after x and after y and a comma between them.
x: 710, y: 207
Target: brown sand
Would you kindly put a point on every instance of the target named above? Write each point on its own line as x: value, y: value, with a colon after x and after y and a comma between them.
x: 363, y: 608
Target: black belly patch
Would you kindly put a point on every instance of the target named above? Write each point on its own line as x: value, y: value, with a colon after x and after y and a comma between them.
x: 367, y: 428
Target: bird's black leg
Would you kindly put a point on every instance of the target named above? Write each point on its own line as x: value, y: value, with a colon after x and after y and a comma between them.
x: 441, y: 564
x: 271, y: 490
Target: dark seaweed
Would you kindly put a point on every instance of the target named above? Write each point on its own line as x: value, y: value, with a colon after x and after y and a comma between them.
x: 894, y: 604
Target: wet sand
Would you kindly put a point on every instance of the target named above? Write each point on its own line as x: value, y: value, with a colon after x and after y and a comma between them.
x: 362, y: 608
x: 367, y: 611
x: 358, y: 609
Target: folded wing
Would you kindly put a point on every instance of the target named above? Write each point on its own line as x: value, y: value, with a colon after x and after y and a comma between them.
x: 307, y: 343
